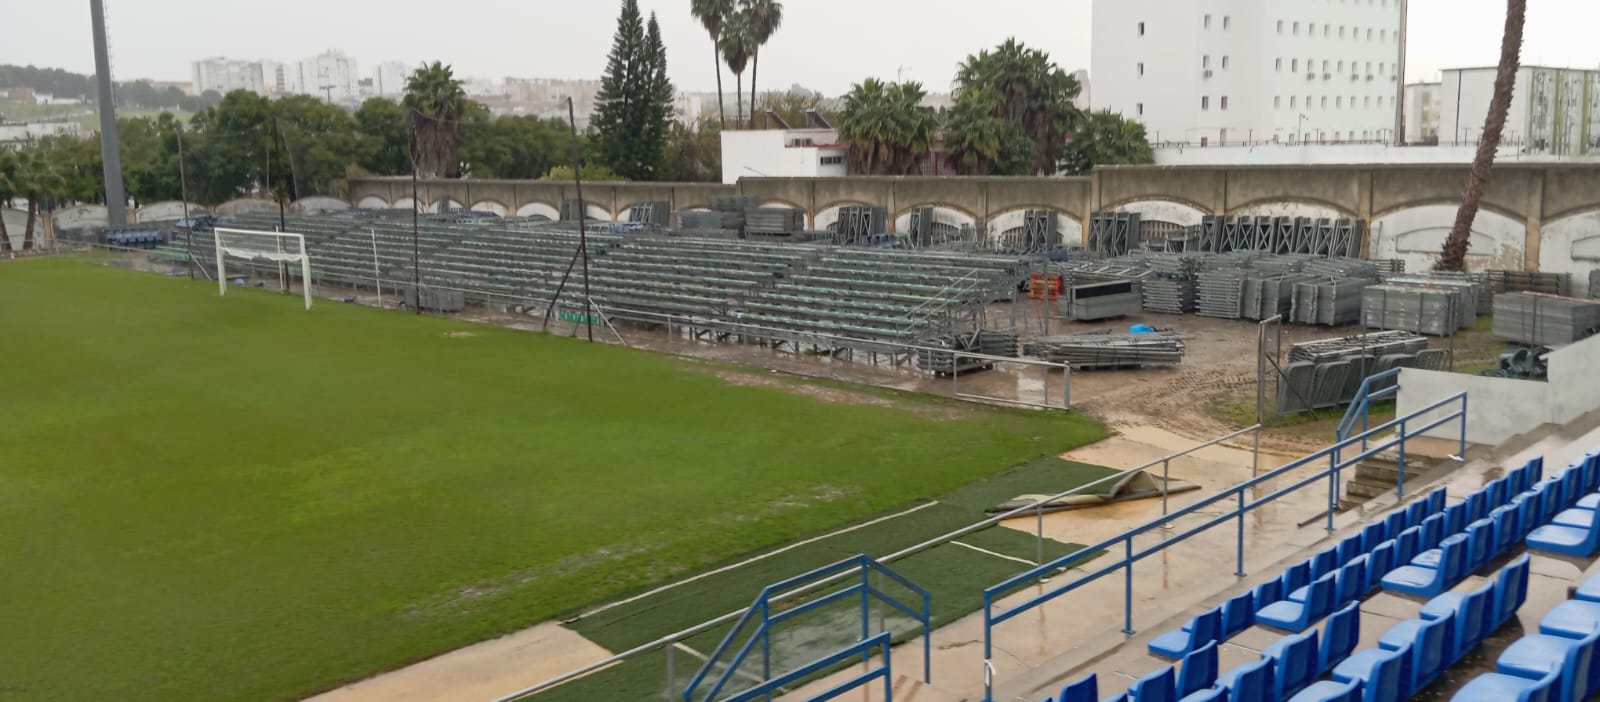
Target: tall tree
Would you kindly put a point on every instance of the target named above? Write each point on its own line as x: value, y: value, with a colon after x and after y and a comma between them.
x: 1454, y: 255
x: 765, y: 18
x: 738, y: 42
x: 8, y: 192
x: 793, y: 104
x: 436, y: 102
x: 1035, y: 94
x: 887, y: 127
x: 975, y: 137
x: 710, y: 14
x: 385, y: 139
x: 693, y: 153
x: 33, y: 179
x: 635, y: 98
x: 1105, y: 138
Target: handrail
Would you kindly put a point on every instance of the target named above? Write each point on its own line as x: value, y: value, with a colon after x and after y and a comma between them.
x: 1234, y: 492
x: 1362, y: 402
x: 765, y: 601
x: 1034, y: 507
x: 864, y: 648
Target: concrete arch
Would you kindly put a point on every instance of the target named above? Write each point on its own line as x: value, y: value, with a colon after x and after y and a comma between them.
x: 317, y: 204
x: 492, y: 206
x: 246, y: 205
x: 598, y: 213
x: 407, y: 203
x: 1174, y: 212
x: 1416, y: 234
x: 947, y: 221
x: 1571, y: 244
x: 79, y: 219
x: 539, y: 209
x: 780, y: 202
x: 828, y: 215
x: 1454, y: 202
x: 164, y: 211
x: 445, y: 204
x: 1002, y: 229
x: 372, y: 202
x: 16, y: 221
x: 1292, y: 207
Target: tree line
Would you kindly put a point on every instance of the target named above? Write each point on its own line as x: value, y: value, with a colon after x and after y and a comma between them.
x: 136, y: 94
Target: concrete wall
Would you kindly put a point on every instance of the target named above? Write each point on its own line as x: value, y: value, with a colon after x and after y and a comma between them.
x: 1500, y: 408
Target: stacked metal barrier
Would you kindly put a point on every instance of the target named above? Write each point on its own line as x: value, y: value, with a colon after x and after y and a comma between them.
x: 1106, y: 349
x: 1544, y: 320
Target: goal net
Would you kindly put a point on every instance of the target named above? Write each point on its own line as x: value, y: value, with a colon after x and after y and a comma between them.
x: 254, y: 245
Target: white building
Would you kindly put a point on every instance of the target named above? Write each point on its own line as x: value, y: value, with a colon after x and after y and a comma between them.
x: 802, y: 153
x: 1206, y: 72
x: 15, y: 133
x: 227, y: 75
x: 331, y: 75
x: 1422, y: 113
x: 389, y: 78
x: 1554, y: 111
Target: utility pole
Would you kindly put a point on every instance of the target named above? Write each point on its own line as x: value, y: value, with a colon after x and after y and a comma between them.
x: 583, y: 216
x: 1400, y: 80
x: 183, y: 190
x: 416, y: 248
x: 110, y: 145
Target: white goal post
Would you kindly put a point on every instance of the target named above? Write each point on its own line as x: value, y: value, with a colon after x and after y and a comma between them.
x: 279, y: 247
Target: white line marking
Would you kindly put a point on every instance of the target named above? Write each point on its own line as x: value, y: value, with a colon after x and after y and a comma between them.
x: 992, y: 553
x: 681, y: 646
x: 748, y: 561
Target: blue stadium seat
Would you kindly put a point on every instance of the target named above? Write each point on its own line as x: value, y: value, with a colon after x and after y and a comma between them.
x: 1499, y: 687
x: 1084, y: 689
x: 1423, y: 581
x: 1551, y: 499
x: 1350, y: 547
x: 1379, y: 563
x: 1575, y: 517
x: 1434, y: 556
x: 1472, y: 613
x: 1198, y: 632
x: 1381, y: 672
x: 1199, y: 670
x: 1498, y: 490
x: 1267, y: 593
x: 1238, y: 614
x: 1408, y: 544
x: 1574, y: 483
x: 1296, y: 616
x: 1477, y: 505
x: 1527, y: 505
x: 1352, y: 582
x: 1416, y: 512
x: 1436, y: 501
x: 1294, y: 577
x: 1511, y: 589
x: 1372, y: 535
x: 1339, y: 637
x: 1508, y: 528
x: 1432, y: 532
x: 1519, y: 479
x: 1295, y: 662
x: 1330, y: 691
x: 1252, y: 680
x: 1481, y: 545
x: 1455, y: 517
x: 1536, y: 655
x: 1326, y: 561
x: 1427, y: 641
x: 1573, y: 619
x: 1396, y: 522
x: 1159, y: 686
x: 1567, y: 541
x: 1215, y: 694
x: 1588, y: 590
x: 1590, y: 501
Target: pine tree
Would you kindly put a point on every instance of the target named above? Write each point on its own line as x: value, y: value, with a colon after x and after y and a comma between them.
x: 612, y: 118
x: 635, y: 99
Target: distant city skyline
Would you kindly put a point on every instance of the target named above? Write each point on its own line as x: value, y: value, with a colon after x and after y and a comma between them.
x: 816, y: 47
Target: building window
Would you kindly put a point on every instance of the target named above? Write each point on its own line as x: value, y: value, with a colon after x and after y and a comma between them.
x: 1341, y: 31
x: 1324, y: 65
x: 1327, y: 30
x: 1341, y: 67
x: 1224, y: 63
x: 1205, y: 102
x: 1277, y: 65
x: 1369, y: 67
x: 1294, y: 65
x: 1208, y: 21
x: 1224, y: 104
x: 831, y: 160
x: 1366, y: 102
x: 1226, y: 21
x: 1297, y: 29
x: 1383, y: 35
x: 1141, y: 68
x: 1139, y: 108
x: 1280, y: 26
x: 1277, y: 102
x: 1205, y: 61
x: 1292, y: 101
x: 1324, y: 102
x: 1141, y: 29
x: 1338, y: 103
x: 1369, y: 34
x: 1311, y: 29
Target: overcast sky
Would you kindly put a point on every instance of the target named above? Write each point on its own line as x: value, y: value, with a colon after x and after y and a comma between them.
x: 824, y: 44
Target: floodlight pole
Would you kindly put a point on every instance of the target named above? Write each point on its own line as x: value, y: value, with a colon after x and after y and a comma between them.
x: 583, y: 216
x: 183, y: 190
x: 416, y: 266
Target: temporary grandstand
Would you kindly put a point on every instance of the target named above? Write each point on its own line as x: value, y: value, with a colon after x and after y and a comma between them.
x: 748, y: 291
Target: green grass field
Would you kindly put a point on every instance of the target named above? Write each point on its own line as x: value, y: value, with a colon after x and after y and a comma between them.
x: 234, y: 499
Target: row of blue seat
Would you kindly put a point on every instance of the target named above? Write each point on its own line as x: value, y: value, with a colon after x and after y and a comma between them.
x: 1477, y: 529
x: 1574, y: 530
x: 1561, y: 663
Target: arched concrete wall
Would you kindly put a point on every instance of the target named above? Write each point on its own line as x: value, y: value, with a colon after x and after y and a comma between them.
x: 1179, y: 213
x: 1572, y: 245
x: 829, y: 215
x: 445, y: 204
x: 997, y: 227
x: 372, y: 202
x: 597, y: 212
x: 246, y: 205
x: 406, y: 203
x: 318, y: 203
x: 489, y: 206
x: 1291, y: 208
x: 941, y: 215
x: 80, y: 217
x: 539, y: 209
x: 167, y: 211
x: 1416, y: 234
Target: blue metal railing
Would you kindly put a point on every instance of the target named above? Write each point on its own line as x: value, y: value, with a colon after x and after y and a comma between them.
x: 763, y: 606
x: 993, y: 616
x: 865, y: 648
x: 1387, y: 384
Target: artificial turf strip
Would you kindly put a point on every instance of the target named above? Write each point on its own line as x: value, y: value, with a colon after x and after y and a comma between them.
x: 953, y: 574
x: 235, y: 499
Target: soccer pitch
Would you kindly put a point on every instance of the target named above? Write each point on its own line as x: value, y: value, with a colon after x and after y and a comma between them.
x: 235, y: 499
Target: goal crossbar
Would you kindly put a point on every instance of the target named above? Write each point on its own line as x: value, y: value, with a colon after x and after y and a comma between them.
x: 254, y: 245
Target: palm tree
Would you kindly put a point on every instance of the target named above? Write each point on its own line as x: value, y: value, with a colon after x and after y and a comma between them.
x: 33, y: 178
x: 437, y: 103
x: 765, y: 18
x: 1035, y: 94
x: 888, y: 128
x: 973, y: 136
x: 738, y: 42
x: 1454, y: 255
x: 8, y: 192
x: 710, y: 14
